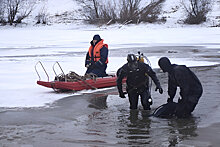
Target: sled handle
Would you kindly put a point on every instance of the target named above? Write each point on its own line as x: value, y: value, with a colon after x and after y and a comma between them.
x: 60, y: 69
x: 43, y: 69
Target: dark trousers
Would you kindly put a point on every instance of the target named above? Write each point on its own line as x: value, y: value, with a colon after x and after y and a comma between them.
x: 184, y: 108
x: 133, y: 99
x: 99, y: 71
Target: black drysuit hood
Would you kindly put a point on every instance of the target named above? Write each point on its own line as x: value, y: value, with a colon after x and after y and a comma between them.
x: 165, y: 64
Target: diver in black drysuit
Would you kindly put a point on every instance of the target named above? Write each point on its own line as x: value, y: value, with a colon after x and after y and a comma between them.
x: 137, y: 74
x: 190, y: 88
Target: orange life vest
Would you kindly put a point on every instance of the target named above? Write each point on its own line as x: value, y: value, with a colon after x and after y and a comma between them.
x: 96, y: 51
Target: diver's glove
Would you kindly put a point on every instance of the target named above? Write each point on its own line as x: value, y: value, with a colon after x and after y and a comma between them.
x: 88, y: 65
x: 91, y: 66
x: 169, y: 100
x: 150, y: 100
x: 160, y: 89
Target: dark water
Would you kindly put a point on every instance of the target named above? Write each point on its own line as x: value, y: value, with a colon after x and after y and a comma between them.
x: 103, y: 119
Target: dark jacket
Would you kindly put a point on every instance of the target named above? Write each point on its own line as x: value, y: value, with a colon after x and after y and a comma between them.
x: 138, y: 78
x: 190, y: 86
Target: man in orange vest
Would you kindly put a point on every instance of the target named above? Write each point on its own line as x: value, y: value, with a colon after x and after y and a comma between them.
x: 97, y: 57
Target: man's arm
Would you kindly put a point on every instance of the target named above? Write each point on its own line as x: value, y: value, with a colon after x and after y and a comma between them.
x: 183, y: 80
x: 87, y: 62
x: 172, y: 87
x: 120, y: 75
x: 152, y: 74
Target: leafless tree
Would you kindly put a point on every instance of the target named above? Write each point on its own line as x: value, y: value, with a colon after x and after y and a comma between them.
x: 196, y: 11
x: 151, y: 12
x: 108, y: 13
x: 12, y: 7
x: 126, y: 11
x: 91, y: 8
x: 42, y: 16
x: 2, y: 12
x: 98, y: 11
x: 129, y: 10
x: 17, y: 10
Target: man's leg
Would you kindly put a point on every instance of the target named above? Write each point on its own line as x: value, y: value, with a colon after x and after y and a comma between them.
x: 133, y: 116
x: 89, y: 70
x: 184, y: 109
x: 133, y: 99
x: 99, y: 71
x: 145, y: 95
x: 190, y: 107
x: 180, y: 110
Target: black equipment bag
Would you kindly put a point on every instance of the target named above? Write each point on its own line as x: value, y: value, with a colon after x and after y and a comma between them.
x: 165, y: 110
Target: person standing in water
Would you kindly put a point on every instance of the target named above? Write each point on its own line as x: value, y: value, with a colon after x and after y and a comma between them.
x: 137, y: 74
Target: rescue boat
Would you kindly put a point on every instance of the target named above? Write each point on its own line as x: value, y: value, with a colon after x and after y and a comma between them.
x: 80, y: 85
x: 74, y: 82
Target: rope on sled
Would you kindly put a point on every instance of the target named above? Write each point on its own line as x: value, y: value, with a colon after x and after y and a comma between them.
x: 74, y: 77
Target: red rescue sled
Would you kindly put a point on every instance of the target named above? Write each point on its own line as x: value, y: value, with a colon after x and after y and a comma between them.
x: 100, y: 82
x: 81, y: 85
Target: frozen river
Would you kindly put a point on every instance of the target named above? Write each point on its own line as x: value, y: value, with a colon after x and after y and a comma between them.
x: 32, y: 116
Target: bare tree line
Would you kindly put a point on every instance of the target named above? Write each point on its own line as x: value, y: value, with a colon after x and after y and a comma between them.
x: 196, y: 11
x: 123, y: 11
x: 14, y: 11
x: 108, y: 11
x: 130, y: 11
